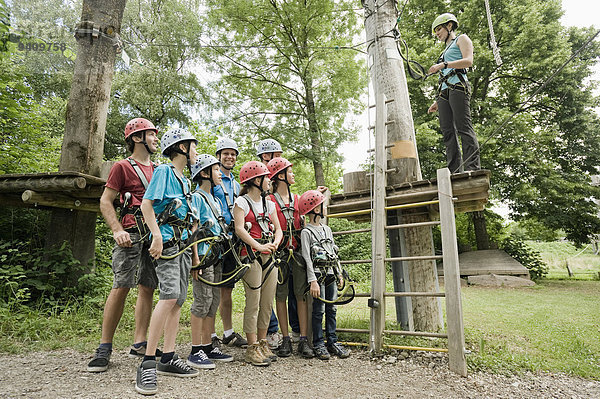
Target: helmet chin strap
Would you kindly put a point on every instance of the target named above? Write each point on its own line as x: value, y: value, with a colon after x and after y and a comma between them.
x: 145, y: 143
x: 186, y: 153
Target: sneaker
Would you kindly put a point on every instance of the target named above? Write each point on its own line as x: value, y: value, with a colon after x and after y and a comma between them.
x: 141, y: 351
x: 216, y: 342
x: 321, y: 352
x: 305, y: 350
x: 338, y: 350
x: 176, y: 368
x: 285, y: 349
x: 295, y: 337
x: 219, y: 356
x: 100, y: 361
x: 236, y: 340
x: 200, y: 360
x: 266, y: 351
x: 274, y: 340
x: 255, y: 356
x: 145, y: 382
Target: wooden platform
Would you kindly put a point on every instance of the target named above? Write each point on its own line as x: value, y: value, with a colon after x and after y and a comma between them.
x: 67, y: 190
x: 470, y: 189
x: 491, y: 261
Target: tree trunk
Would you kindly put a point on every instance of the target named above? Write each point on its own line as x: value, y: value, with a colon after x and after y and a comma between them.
x: 481, y: 235
x: 313, y: 128
x: 389, y: 77
x: 87, y: 108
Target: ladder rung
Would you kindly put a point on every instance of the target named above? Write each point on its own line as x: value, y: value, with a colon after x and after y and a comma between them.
x: 402, y: 294
x: 398, y: 259
x: 386, y: 101
x: 412, y: 205
x: 434, y: 193
x: 394, y: 170
x: 416, y: 333
x: 387, y: 146
x: 408, y: 225
x: 339, y: 233
x: 350, y: 213
x: 372, y: 127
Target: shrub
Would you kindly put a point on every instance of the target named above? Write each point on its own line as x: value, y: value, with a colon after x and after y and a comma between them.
x: 526, y: 255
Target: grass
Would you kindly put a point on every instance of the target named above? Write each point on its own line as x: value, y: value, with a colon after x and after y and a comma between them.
x: 552, y: 327
x: 558, y: 254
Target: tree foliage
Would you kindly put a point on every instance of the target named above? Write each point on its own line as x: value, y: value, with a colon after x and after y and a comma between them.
x: 541, y: 161
x: 283, y: 78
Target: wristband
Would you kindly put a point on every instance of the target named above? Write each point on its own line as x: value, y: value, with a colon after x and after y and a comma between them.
x: 445, y: 65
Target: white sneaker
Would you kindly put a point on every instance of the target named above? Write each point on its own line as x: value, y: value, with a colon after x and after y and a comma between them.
x: 295, y: 337
x: 274, y: 340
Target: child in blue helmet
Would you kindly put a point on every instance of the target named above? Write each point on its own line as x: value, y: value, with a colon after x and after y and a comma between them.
x: 168, y: 196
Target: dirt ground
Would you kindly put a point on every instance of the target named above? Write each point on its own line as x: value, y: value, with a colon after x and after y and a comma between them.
x: 62, y: 374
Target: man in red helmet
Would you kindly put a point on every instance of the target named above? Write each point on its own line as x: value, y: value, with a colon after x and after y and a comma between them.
x: 131, y: 263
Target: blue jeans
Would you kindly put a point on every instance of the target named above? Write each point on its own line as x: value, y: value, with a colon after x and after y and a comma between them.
x: 330, y: 294
x: 273, y: 324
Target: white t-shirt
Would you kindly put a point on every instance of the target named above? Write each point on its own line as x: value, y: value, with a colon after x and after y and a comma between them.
x: 256, y: 206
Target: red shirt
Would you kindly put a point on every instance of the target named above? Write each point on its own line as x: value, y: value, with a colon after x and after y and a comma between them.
x: 283, y: 220
x: 123, y: 178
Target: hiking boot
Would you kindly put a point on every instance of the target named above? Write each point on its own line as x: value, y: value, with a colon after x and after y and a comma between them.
x: 218, y: 356
x: 236, y: 340
x: 274, y: 340
x: 216, y: 342
x: 338, y: 350
x: 100, y: 361
x: 141, y: 351
x: 305, y: 350
x: 321, y: 352
x: 285, y: 349
x: 255, y: 356
x: 295, y: 337
x: 200, y: 360
x: 176, y: 368
x: 266, y: 351
x: 145, y: 382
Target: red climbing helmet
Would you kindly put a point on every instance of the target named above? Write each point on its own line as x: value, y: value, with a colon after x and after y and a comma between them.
x: 277, y: 165
x: 138, y: 125
x: 310, y: 200
x: 253, y: 169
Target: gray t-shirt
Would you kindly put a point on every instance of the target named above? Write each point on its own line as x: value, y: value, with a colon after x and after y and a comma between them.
x: 308, y: 237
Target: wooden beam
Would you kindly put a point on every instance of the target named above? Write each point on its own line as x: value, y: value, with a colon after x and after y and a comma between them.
x: 60, y: 201
x: 37, y: 184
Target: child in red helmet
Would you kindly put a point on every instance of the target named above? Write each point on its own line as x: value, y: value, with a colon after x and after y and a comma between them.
x: 294, y: 267
x: 252, y: 208
x: 320, y: 254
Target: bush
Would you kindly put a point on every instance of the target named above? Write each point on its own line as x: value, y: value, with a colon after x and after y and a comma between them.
x: 526, y: 255
x: 353, y: 246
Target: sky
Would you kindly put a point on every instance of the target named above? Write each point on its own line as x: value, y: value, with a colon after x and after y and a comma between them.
x: 580, y: 13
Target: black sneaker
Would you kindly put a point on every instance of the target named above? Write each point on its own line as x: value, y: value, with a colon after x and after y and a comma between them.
x: 218, y: 356
x: 176, y: 368
x: 216, y: 342
x: 285, y: 349
x: 141, y: 351
x: 338, y: 350
x: 145, y: 382
x: 236, y: 340
x: 100, y: 361
x: 305, y: 350
x: 321, y: 352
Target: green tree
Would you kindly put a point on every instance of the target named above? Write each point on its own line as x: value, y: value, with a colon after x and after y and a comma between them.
x: 284, y: 76
x: 541, y: 161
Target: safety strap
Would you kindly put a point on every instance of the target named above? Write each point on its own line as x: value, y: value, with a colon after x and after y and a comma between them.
x: 139, y: 172
x: 326, y: 243
x: 288, y: 213
x: 235, y: 194
x: 214, y: 210
x: 263, y: 221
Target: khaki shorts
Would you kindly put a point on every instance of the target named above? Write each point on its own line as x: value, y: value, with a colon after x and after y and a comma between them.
x: 173, y: 275
x: 206, y: 297
x: 133, y: 265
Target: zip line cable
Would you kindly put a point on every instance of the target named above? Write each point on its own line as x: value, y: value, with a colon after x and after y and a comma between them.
x: 522, y: 106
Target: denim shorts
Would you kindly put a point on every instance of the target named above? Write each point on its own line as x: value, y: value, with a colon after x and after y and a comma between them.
x: 206, y: 297
x: 133, y: 265
x: 173, y: 275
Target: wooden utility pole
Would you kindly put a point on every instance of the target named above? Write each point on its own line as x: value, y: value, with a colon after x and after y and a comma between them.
x: 83, y: 145
x: 388, y: 78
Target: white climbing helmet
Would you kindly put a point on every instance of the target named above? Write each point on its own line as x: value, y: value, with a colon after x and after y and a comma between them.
x: 204, y: 161
x: 268, y: 145
x: 174, y: 136
x: 224, y: 143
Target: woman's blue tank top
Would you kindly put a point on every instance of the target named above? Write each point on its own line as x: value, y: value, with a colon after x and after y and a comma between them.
x: 452, y: 53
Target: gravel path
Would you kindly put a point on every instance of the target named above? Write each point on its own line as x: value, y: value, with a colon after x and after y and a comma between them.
x: 61, y: 374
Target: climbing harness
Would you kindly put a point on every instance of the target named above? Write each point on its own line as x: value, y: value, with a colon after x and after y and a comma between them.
x: 127, y: 209
x: 461, y: 73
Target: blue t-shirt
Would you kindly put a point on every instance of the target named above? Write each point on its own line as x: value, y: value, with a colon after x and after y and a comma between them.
x: 164, y: 188
x: 205, y: 213
x: 233, y: 190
